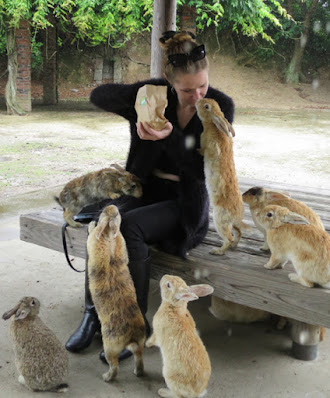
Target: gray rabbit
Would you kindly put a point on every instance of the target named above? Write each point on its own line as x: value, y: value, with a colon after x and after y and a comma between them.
x: 41, y: 359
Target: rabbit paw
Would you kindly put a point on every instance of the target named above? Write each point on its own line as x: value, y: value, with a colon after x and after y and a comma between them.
x: 110, y: 375
x: 114, y: 195
x: 166, y: 393
x: 299, y: 279
x: 21, y: 380
x: 216, y: 251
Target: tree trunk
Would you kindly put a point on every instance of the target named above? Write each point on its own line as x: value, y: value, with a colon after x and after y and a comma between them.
x: 11, y: 98
x: 49, y: 81
x: 164, y: 19
x: 293, y: 74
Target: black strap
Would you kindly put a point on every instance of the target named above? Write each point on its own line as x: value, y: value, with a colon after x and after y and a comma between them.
x: 66, y: 249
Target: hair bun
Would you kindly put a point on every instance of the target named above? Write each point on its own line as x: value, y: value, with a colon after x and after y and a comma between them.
x: 171, y: 41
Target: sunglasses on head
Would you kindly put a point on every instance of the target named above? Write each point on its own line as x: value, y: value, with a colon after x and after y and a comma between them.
x: 195, y: 54
x: 170, y: 33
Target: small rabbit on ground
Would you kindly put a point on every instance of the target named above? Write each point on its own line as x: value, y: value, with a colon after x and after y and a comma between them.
x: 257, y: 198
x: 90, y: 188
x: 113, y: 292
x: 291, y: 237
x: 41, y: 359
x: 186, y: 364
x: 220, y: 174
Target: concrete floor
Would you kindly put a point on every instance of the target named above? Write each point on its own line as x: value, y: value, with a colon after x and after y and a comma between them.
x: 248, y: 361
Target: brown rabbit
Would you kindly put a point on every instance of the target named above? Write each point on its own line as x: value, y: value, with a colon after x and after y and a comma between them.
x: 257, y: 198
x: 107, y: 183
x: 233, y: 312
x: 220, y: 174
x: 291, y: 238
x: 113, y: 293
x: 186, y: 364
x: 41, y: 359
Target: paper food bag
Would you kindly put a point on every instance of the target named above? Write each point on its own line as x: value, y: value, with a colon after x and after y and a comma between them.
x: 150, y: 105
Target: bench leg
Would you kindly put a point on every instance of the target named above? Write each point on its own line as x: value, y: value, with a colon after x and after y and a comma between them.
x: 305, y: 340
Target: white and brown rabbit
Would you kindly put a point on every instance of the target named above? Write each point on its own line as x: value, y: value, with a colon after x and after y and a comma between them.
x: 90, y: 188
x: 258, y: 197
x: 186, y: 364
x: 220, y: 173
x: 113, y: 292
x: 291, y: 237
x: 41, y: 359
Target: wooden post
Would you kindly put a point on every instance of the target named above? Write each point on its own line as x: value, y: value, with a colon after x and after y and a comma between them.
x: 164, y: 19
x: 157, y: 29
x: 170, y: 15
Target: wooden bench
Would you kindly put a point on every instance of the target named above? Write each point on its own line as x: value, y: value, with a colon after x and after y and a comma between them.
x: 238, y: 276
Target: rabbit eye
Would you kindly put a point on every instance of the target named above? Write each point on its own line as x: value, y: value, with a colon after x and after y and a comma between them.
x: 168, y: 285
x: 269, y: 215
x: 207, y: 106
x: 33, y: 302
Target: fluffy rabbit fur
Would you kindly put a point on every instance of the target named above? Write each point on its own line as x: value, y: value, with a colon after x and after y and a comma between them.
x: 41, y: 359
x: 186, y: 364
x: 257, y: 198
x: 107, y: 183
x: 113, y: 293
x: 220, y: 174
x: 291, y: 238
x: 233, y: 312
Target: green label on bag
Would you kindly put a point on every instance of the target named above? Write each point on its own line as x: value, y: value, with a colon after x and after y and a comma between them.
x: 143, y: 101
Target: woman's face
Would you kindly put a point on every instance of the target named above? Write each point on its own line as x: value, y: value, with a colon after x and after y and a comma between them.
x: 191, y: 87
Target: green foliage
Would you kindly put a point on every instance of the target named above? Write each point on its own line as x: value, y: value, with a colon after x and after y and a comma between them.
x: 92, y: 21
x: 248, y: 17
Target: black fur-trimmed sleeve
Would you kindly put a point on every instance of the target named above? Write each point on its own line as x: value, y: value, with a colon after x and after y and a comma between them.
x: 226, y: 103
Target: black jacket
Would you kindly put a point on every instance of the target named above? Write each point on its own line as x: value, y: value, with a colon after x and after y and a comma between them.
x: 144, y: 156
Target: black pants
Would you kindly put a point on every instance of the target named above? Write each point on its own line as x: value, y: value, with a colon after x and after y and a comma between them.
x: 150, y: 219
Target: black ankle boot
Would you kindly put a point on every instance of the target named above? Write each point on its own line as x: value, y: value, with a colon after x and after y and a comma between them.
x: 140, y: 272
x: 90, y: 324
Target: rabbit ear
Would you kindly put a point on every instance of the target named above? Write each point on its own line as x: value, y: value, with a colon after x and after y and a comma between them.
x: 10, y: 313
x: 222, y: 124
x: 294, y: 218
x: 278, y: 195
x: 201, y: 290
x: 186, y: 295
x: 119, y: 168
x: 103, y: 224
x: 22, y: 313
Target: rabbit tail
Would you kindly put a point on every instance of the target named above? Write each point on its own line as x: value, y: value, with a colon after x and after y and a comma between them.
x: 63, y: 387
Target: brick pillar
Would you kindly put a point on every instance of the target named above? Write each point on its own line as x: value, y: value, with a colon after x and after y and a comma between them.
x: 23, y: 81
x: 188, y: 19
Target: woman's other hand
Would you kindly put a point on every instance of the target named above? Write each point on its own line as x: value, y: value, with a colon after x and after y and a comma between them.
x: 145, y: 132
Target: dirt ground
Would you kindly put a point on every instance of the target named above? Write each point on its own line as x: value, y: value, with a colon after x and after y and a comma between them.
x: 52, y: 145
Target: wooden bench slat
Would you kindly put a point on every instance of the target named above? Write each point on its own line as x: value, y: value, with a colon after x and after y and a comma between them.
x: 238, y: 276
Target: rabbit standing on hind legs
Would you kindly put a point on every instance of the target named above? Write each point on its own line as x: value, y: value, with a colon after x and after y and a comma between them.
x: 186, y: 364
x: 40, y: 357
x: 220, y: 173
x: 113, y: 292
